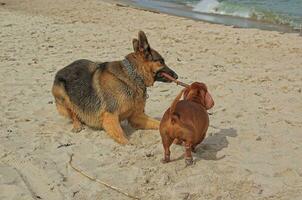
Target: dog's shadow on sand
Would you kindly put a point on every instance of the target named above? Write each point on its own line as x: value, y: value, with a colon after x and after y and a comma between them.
x: 214, y: 143
x: 129, y: 130
x: 209, y: 148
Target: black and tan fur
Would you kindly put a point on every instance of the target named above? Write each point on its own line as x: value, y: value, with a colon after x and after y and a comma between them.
x: 100, y: 95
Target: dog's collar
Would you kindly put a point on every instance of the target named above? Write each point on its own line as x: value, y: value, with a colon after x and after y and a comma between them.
x: 131, y: 71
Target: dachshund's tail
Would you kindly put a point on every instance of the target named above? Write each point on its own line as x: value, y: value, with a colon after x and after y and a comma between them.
x: 175, y: 116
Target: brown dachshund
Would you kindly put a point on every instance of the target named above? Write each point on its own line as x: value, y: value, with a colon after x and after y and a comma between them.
x: 187, y: 120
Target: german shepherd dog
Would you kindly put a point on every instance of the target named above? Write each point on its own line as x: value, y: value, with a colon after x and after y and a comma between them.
x: 101, y: 95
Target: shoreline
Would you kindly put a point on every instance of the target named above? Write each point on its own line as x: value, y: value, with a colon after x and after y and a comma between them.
x: 185, y: 11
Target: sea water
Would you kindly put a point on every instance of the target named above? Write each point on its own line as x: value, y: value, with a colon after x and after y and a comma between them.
x: 278, y: 12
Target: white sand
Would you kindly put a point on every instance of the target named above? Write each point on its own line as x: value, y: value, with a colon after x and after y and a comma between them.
x: 253, y: 147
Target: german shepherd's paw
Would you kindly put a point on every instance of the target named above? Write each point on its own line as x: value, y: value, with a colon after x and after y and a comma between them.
x: 77, y: 129
x: 123, y: 141
x: 165, y: 160
x: 155, y: 125
x: 189, y: 161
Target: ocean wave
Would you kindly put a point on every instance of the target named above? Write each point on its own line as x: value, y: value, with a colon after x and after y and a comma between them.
x: 245, y: 11
x: 216, y: 7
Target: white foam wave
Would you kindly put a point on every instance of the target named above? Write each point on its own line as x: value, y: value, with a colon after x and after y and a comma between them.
x: 207, y: 6
x: 213, y: 6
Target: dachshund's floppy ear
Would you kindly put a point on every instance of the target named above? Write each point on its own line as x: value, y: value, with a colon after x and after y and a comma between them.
x: 186, y: 92
x: 205, y: 97
x: 209, y: 102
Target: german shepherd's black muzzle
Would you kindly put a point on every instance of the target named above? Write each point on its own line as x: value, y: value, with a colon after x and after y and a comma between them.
x: 159, y: 77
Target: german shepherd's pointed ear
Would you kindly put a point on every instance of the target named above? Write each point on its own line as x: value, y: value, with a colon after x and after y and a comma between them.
x: 144, y: 44
x: 135, y: 45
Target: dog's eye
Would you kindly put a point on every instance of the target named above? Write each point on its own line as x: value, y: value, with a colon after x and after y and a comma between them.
x: 150, y: 58
x: 161, y: 61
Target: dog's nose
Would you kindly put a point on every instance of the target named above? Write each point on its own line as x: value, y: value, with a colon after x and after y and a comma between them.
x: 175, y: 75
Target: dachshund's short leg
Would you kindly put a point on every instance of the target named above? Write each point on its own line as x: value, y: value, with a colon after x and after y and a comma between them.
x: 178, y: 141
x: 143, y: 121
x: 167, y: 141
x: 194, y: 148
x: 111, y: 125
x: 188, y: 154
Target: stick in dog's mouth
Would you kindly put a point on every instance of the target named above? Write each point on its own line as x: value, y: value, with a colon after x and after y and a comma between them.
x: 167, y: 76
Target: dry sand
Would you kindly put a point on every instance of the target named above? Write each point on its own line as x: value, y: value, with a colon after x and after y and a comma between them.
x: 253, y: 148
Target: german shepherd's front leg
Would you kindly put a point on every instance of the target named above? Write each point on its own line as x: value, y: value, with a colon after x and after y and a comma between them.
x: 77, y: 124
x: 143, y: 121
x: 111, y: 125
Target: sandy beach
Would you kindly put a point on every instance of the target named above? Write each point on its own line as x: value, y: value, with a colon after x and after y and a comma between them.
x: 253, y: 145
